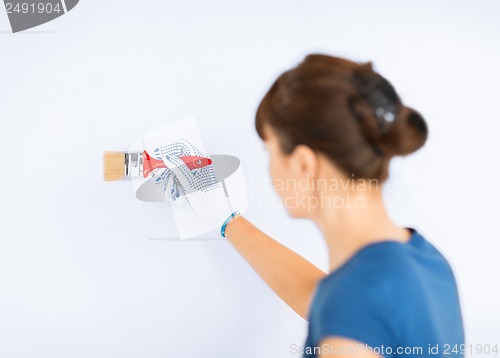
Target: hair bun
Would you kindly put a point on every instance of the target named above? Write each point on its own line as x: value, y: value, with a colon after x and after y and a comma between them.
x: 389, y: 126
x: 407, y: 133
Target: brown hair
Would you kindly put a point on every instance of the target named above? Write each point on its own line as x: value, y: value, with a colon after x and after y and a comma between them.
x: 345, y: 110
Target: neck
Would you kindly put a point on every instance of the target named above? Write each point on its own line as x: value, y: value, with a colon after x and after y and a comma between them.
x: 353, y: 226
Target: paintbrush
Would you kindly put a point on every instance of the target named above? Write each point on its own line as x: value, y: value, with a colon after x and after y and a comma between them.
x: 118, y: 165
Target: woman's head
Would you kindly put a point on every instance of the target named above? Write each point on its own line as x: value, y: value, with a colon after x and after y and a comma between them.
x: 342, y: 113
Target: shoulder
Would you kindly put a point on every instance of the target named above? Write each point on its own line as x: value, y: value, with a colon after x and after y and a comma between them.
x: 387, y: 267
x: 373, y: 275
x: 363, y: 299
x: 365, y: 294
x: 358, y: 301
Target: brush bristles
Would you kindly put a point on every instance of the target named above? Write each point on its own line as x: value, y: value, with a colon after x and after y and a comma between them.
x: 114, y: 165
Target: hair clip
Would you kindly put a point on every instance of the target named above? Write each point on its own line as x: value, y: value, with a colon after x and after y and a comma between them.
x: 381, y: 96
x: 382, y: 114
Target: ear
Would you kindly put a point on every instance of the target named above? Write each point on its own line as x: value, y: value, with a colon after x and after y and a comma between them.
x: 304, y: 160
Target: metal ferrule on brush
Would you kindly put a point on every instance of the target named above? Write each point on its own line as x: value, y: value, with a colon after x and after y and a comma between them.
x: 133, y: 164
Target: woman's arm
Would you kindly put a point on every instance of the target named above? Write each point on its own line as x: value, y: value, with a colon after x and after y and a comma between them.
x: 288, y: 274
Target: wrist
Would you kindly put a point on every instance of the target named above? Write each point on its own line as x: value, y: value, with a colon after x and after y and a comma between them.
x: 226, y: 223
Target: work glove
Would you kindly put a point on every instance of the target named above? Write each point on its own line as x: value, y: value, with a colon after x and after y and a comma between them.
x: 198, y: 187
x: 172, y: 188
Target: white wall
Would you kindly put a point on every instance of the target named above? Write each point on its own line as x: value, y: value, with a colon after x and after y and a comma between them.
x: 85, y: 269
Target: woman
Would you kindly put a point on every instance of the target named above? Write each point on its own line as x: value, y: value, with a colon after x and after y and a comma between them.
x: 331, y: 127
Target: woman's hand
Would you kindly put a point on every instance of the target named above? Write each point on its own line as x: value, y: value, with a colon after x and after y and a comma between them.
x: 199, y: 187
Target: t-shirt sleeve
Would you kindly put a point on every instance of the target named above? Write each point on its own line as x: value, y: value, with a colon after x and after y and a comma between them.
x: 359, y: 311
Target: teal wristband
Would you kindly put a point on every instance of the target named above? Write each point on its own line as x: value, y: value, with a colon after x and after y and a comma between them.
x: 223, y: 227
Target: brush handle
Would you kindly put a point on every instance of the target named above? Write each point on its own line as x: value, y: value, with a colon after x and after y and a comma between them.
x: 191, y: 161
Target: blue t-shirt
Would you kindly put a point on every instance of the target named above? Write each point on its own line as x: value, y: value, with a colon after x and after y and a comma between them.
x: 397, y: 299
